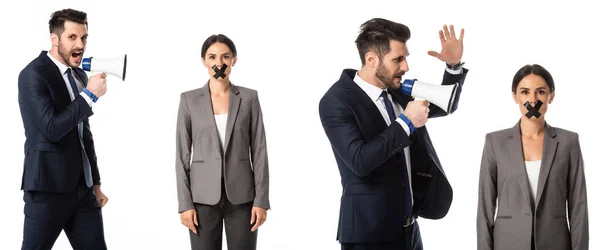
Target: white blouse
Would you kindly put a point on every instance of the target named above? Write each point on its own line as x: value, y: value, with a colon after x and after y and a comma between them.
x: 533, y: 172
x: 221, y: 121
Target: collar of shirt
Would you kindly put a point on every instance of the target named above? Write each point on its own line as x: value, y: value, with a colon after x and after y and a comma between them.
x: 372, y: 91
x: 61, y: 66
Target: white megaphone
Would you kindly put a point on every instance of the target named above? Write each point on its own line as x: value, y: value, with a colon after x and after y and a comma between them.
x: 442, y: 96
x: 113, y: 66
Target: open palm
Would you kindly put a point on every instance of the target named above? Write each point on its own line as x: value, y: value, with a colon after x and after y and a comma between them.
x: 452, y: 47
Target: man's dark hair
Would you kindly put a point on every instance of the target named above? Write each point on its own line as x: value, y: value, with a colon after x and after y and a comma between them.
x: 532, y: 69
x: 376, y: 35
x: 58, y: 19
x: 218, y: 38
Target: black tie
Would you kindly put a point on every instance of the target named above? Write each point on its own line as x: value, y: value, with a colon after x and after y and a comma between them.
x: 87, y: 170
x: 408, y: 199
x: 388, y: 106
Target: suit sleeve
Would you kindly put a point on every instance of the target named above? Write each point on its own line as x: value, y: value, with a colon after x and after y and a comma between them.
x: 34, y: 96
x: 486, y: 207
x: 577, y: 200
x: 345, y: 136
x: 258, y: 152
x: 182, y: 151
x: 91, y: 151
x: 450, y: 79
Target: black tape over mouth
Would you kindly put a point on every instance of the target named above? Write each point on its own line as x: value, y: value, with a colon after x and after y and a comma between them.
x: 219, y: 72
x: 533, y: 110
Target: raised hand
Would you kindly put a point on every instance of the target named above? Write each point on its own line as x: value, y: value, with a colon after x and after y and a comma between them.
x: 452, y: 47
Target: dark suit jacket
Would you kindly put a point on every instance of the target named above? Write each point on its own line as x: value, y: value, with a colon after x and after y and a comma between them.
x: 370, y: 159
x: 52, y: 150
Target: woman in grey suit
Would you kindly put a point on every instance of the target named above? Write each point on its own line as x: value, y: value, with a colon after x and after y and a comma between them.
x: 533, y: 175
x: 221, y: 164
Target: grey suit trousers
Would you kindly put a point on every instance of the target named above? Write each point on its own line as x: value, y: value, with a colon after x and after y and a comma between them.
x: 237, y: 226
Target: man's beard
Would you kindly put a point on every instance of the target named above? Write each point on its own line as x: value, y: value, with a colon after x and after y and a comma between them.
x: 65, y: 54
x: 383, y: 74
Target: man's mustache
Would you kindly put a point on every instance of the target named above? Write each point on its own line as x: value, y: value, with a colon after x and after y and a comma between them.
x: 400, y: 74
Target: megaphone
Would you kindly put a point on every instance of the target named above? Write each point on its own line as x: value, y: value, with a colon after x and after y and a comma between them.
x: 113, y: 66
x: 442, y: 96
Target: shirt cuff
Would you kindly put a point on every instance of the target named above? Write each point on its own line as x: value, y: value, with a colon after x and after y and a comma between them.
x: 455, y: 71
x: 404, y: 125
x: 87, y: 98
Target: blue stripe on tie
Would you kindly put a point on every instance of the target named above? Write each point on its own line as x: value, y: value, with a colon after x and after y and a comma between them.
x: 408, y: 200
x: 87, y: 169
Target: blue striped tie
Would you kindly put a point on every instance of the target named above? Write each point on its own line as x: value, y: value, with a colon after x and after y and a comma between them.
x: 87, y: 170
x: 408, y: 199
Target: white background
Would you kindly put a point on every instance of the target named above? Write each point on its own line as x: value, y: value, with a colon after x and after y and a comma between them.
x: 291, y: 52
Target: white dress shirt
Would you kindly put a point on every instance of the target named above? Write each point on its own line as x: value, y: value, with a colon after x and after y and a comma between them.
x: 63, y: 71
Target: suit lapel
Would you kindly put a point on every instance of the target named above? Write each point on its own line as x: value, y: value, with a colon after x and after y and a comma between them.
x: 515, y: 150
x: 400, y: 98
x: 82, y: 76
x: 372, y: 109
x: 358, y: 95
x: 550, y: 145
x: 56, y: 82
x: 207, y: 114
x: 234, y: 106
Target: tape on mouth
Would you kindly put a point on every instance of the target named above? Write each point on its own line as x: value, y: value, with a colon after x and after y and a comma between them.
x: 219, y: 72
x: 533, y: 110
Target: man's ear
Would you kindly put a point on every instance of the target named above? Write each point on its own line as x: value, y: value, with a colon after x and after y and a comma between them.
x: 233, y: 61
x: 54, y: 39
x: 371, y: 60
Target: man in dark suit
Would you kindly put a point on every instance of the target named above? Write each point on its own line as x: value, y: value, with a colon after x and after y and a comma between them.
x: 390, y: 171
x: 61, y: 182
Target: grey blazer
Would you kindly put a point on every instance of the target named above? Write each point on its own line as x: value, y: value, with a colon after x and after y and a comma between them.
x: 556, y: 219
x: 200, y: 162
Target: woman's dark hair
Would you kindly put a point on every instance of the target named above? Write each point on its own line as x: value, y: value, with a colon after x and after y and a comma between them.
x: 536, y: 70
x: 221, y: 39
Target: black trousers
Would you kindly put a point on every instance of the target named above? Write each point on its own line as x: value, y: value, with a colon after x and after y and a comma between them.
x: 410, y: 241
x: 78, y: 213
x: 237, y: 226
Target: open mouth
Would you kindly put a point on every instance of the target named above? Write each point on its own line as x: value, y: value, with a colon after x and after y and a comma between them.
x: 77, y: 55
